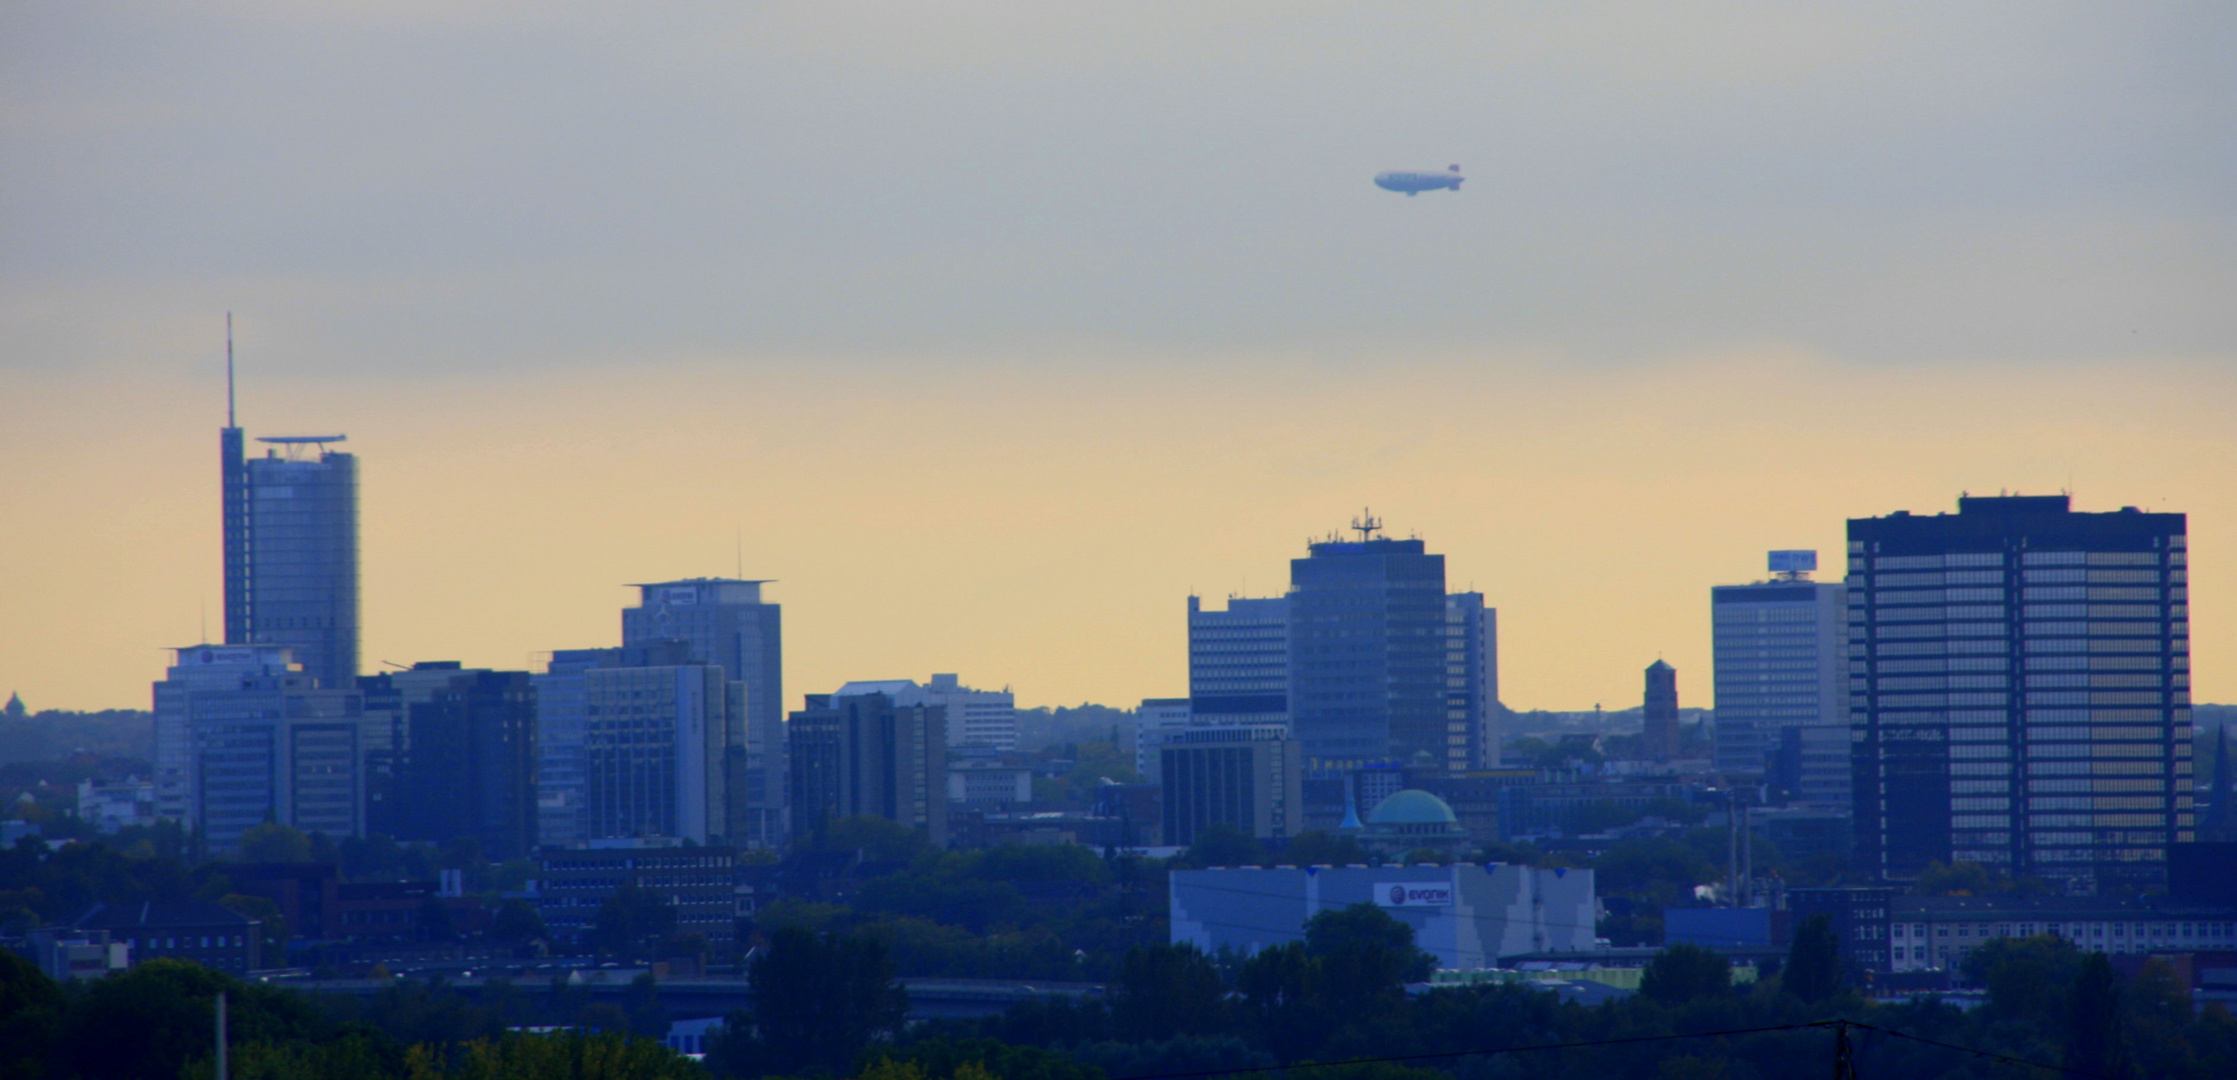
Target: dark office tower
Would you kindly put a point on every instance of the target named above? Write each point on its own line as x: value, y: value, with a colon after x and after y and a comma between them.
x: 861, y: 755
x: 725, y: 622
x: 459, y: 756
x: 1660, y: 736
x: 1471, y: 683
x: 1247, y: 777
x: 291, y: 552
x: 2020, y: 691
x: 1367, y: 651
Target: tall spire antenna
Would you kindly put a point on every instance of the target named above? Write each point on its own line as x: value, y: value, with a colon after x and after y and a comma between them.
x: 229, y: 371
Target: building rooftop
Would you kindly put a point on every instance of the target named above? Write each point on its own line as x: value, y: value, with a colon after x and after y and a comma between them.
x: 159, y: 913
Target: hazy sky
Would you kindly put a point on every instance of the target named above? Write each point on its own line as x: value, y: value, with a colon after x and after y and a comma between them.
x: 995, y: 329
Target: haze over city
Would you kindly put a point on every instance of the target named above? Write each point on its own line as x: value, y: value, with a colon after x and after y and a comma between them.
x: 993, y: 334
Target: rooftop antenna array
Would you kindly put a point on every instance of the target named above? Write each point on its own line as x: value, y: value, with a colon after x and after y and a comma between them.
x: 1366, y: 525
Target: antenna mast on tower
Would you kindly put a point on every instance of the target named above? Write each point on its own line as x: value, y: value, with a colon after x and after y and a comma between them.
x: 229, y: 422
x: 1366, y: 525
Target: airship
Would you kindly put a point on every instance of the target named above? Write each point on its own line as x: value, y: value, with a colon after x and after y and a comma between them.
x: 1414, y: 183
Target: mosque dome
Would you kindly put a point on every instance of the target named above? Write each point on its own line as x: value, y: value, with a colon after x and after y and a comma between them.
x: 1412, y: 807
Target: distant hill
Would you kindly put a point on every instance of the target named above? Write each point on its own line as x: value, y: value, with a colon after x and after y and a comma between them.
x: 54, y: 733
x: 1044, y: 727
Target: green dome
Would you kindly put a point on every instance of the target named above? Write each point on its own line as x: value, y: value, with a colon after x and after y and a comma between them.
x: 1412, y: 807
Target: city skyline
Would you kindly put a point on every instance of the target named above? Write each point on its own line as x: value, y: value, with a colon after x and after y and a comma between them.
x: 546, y: 575
x: 1102, y: 304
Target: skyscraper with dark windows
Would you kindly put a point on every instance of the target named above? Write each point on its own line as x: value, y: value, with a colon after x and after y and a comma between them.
x: 1660, y: 713
x: 725, y: 622
x: 2020, y: 692
x: 1367, y: 652
x: 456, y: 756
x: 864, y: 755
x: 291, y: 551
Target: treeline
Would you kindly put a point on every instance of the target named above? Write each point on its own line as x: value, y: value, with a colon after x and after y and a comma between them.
x: 158, y: 1022
x: 1336, y: 1006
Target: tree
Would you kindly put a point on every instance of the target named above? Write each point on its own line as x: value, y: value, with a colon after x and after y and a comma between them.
x: 1364, y: 958
x: 878, y: 839
x: 273, y: 842
x: 1685, y: 972
x: 1167, y: 990
x: 1813, y: 962
x: 2027, y: 978
x: 1317, y: 847
x: 2093, y: 1021
x: 1222, y: 844
x: 631, y: 921
x: 818, y: 1001
x: 31, y: 1008
x: 517, y: 923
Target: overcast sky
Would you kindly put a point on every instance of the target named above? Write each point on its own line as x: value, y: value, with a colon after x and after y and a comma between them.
x: 992, y: 330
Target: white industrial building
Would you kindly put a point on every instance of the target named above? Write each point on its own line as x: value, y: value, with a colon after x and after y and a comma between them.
x: 1467, y: 916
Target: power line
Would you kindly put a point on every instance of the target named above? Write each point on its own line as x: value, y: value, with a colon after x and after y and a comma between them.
x: 1991, y: 1055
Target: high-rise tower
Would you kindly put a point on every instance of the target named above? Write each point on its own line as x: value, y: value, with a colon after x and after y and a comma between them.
x: 1660, y: 735
x: 2021, y: 690
x: 1367, y: 651
x: 290, y: 546
x: 725, y: 622
x: 1782, y: 682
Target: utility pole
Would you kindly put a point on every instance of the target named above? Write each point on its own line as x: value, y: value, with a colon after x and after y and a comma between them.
x: 221, y: 1035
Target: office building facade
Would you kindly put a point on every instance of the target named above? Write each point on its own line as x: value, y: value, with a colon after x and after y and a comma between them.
x: 1250, y: 777
x: 1782, y: 684
x: 1238, y: 661
x: 986, y: 720
x: 1471, y: 683
x: 456, y: 756
x: 243, y: 737
x: 1152, y: 720
x: 1367, y: 652
x: 864, y: 755
x: 562, y: 719
x: 659, y: 735
x: 291, y: 552
x: 700, y: 883
x: 726, y: 622
x: 2020, y: 691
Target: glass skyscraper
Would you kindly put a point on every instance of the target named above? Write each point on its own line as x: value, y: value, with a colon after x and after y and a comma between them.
x: 291, y: 551
x: 2020, y: 691
x: 1367, y: 653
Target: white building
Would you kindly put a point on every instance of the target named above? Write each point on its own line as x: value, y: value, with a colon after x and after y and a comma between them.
x: 1467, y: 916
x: 109, y: 807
